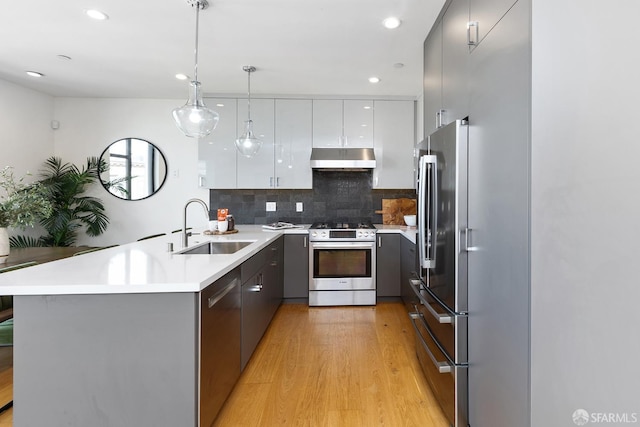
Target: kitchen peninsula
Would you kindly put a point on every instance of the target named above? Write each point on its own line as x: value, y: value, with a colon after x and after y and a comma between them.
x: 125, y: 335
x: 115, y: 337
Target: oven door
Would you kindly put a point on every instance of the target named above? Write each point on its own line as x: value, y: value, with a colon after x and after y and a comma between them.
x: 342, y: 265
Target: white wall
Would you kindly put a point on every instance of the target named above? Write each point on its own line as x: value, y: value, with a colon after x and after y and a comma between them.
x: 26, y: 137
x: 88, y: 126
x: 585, y: 207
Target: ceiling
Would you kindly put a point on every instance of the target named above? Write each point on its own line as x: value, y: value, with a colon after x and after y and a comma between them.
x: 299, y: 47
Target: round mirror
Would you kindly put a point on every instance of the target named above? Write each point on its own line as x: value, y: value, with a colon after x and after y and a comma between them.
x: 133, y: 169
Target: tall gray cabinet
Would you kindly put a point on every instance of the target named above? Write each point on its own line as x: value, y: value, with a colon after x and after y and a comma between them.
x: 552, y: 182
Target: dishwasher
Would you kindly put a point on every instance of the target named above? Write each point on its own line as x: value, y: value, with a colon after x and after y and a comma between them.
x: 220, y: 311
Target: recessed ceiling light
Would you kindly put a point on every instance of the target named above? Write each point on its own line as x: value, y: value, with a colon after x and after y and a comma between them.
x: 64, y: 57
x: 398, y: 65
x: 391, y: 22
x: 35, y: 74
x: 367, y: 107
x: 181, y: 76
x: 374, y: 79
x: 96, y: 14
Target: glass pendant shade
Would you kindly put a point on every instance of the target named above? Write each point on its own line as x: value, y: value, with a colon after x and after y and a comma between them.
x: 248, y: 144
x: 194, y: 119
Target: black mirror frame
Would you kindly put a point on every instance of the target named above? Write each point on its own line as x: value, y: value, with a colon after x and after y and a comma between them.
x: 105, y: 162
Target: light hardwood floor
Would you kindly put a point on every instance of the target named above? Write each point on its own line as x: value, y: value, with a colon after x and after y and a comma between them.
x: 331, y: 366
x: 334, y: 366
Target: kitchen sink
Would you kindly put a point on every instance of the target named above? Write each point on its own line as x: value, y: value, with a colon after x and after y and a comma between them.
x: 215, y: 248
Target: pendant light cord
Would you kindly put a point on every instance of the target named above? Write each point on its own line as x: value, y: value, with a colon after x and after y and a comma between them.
x: 195, y: 67
x: 249, y: 93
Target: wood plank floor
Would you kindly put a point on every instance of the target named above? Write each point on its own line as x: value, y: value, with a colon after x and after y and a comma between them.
x: 334, y: 366
x: 331, y: 366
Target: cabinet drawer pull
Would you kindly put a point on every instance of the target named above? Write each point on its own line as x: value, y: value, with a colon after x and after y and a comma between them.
x: 441, y: 318
x: 443, y: 367
x: 255, y: 288
x: 221, y: 294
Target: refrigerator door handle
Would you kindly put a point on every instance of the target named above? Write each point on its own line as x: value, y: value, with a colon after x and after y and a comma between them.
x: 443, y: 367
x: 427, y: 237
x: 441, y: 318
x: 467, y: 240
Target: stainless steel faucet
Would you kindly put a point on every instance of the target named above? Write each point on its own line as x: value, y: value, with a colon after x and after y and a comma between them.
x: 185, y: 235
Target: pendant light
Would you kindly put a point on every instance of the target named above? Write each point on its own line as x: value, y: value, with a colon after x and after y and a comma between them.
x: 194, y: 119
x: 248, y: 144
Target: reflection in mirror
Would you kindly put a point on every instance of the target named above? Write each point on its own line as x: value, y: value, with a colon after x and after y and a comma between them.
x: 135, y: 169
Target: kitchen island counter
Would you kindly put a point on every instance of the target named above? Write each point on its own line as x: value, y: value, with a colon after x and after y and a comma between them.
x: 139, y: 267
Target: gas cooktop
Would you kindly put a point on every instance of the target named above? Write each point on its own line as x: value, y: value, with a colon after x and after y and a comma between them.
x: 341, y: 225
x: 342, y: 231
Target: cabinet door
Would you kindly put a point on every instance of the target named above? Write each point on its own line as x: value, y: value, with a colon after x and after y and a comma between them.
x: 388, y: 265
x: 408, y: 270
x: 455, y: 60
x: 358, y: 124
x: 394, y: 130
x: 432, y: 81
x: 217, y: 151
x: 499, y: 150
x: 255, y: 315
x: 296, y: 266
x: 487, y: 13
x: 257, y: 171
x: 293, y: 143
x: 327, y: 123
x: 273, y: 273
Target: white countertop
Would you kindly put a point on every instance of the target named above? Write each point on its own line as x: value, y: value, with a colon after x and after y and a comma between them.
x: 147, y: 266
x: 137, y: 267
x: 407, y: 232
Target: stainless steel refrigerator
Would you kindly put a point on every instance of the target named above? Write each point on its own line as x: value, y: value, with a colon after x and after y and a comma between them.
x: 440, y: 316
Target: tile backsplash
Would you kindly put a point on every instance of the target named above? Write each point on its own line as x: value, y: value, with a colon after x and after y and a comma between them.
x: 336, y: 195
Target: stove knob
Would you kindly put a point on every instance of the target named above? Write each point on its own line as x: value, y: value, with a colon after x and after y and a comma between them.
x: 314, y: 234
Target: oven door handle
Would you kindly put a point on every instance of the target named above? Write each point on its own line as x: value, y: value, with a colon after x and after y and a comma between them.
x: 441, y: 318
x: 443, y: 367
x: 342, y: 245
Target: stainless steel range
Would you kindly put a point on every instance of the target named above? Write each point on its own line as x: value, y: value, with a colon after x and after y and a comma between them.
x: 342, y: 259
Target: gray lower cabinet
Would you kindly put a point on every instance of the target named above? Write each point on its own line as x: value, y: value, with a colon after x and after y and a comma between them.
x: 388, y: 265
x: 262, y: 292
x: 296, y: 266
x: 408, y: 270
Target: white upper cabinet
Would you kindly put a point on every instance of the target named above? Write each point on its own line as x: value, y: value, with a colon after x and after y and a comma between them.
x: 338, y: 123
x: 289, y: 128
x: 257, y: 171
x: 358, y: 123
x: 394, y: 135
x: 327, y: 123
x: 293, y: 143
x: 486, y: 14
x: 217, y: 151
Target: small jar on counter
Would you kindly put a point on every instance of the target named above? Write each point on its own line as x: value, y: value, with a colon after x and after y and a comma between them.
x: 231, y: 221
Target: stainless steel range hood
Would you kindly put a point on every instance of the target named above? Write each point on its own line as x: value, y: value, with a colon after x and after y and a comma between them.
x: 343, y: 158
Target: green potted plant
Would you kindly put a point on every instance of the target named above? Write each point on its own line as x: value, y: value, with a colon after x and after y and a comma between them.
x: 21, y: 205
x: 65, y: 185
